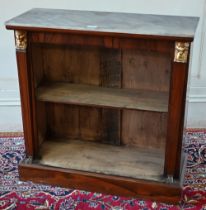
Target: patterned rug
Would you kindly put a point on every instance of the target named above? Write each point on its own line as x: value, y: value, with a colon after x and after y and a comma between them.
x: 26, y: 195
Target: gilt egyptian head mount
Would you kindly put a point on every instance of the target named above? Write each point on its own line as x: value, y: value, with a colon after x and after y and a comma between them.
x: 21, y: 40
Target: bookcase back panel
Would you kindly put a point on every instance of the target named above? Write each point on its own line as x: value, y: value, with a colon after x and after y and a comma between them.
x: 146, y: 70
x: 85, y: 123
x: 75, y: 64
x: 118, y: 68
x: 132, y: 128
x: 144, y: 129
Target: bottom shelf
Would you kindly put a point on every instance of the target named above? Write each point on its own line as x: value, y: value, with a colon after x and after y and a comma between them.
x: 121, y: 161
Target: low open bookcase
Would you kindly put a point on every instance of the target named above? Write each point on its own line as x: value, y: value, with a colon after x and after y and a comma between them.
x: 103, y: 100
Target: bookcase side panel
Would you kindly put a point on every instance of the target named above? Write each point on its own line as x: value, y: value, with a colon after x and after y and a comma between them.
x: 178, y: 87
x: 24, y: 74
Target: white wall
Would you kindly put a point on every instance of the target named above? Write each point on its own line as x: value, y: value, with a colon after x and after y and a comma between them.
x: 197, y: 87
x: 9, y: 97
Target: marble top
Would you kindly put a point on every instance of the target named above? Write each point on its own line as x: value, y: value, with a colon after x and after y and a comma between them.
x: 110, y: 22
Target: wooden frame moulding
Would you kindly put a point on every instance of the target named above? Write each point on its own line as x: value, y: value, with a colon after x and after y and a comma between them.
x: 25, y: 88
x: 100, y: 183
x: 178, y: 85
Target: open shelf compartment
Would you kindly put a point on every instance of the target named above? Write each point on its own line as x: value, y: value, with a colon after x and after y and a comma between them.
x: 101, y: 110
x: 123, y: 143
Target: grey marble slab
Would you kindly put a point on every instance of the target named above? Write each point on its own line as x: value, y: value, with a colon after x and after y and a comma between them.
x: 126, y: 23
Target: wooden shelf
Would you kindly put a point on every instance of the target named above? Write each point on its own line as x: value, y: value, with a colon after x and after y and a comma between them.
x: 99, y: 158
x: 105, y: 97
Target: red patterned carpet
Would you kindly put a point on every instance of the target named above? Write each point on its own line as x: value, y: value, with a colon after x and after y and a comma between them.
x: 26, y: 195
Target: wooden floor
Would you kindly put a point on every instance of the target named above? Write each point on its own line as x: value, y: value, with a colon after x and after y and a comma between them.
x: 102, y: 158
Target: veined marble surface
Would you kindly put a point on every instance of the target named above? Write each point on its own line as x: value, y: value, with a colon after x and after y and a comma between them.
x: 126, y: 23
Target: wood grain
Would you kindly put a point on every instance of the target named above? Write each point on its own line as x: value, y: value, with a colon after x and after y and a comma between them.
x: 146, y: 70
x: 144, y: 129
x: 62, y: 120
x: 38, y: 108
x: 41, y: 122
x: 71, y: 39
x: 73, y: 179
x: 175, y: 121
x: 111, y: 77
x: 82, y: 122
x: 111, y: 126
x: 26, y: 107
x: 103, y: 42
x: 110, y: 68
x: 104, y: 97
x: 36, y: 62
x: 71, y: 64
x: 90, y: 123
x: 94, y: 157
x: 181, y: 160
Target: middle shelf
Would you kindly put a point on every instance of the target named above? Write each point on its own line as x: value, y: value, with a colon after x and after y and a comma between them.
x: 90, y: 95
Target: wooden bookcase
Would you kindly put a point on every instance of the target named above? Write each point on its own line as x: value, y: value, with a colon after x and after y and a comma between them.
x: 103, y: 100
